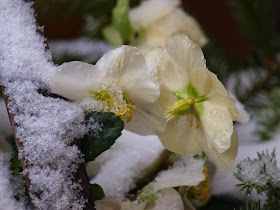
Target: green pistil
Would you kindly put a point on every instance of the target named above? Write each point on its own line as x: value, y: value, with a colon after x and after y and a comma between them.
x: 189, y: 102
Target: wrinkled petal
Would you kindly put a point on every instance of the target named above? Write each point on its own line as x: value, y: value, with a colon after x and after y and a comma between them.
x: 127, y: 66
x: 147, y: 120
x: 217, y: 125
x: 150, y: 11
x: 167, y: 199
x: 180, y: 138
x: 185, y: 52
x: 170, y: 75
x: 223, y: 160
x: 74, y: 80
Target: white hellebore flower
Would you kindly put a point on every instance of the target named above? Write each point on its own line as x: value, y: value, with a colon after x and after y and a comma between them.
x: 158, y: 19
x: 197, y: 108
x: 119, y: 83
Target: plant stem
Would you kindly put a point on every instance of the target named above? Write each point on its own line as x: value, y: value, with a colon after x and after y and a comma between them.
x: 159, y: 164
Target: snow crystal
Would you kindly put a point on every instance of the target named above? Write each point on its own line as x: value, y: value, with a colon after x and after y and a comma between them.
x: 7, y: 200
x: 185, y: 172
x: 82, y: 47
x: 125, y: 162
x: 46, y: 126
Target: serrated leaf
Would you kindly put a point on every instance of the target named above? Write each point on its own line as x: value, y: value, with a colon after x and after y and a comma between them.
x: 121, y: 21
x: 97, y: 192
x: 93, y: 144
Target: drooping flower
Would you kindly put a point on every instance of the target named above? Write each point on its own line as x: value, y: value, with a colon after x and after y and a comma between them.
x: 158, y: 19
x: 119, y: 83
x: 197, y: 108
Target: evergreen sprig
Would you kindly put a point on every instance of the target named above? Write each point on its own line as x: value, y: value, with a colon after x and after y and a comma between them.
x: 261, y: 174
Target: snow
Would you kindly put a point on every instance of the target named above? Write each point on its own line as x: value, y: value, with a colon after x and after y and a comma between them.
x: 125, y: 162
x: 90, y: 51
x: 7, y: 200
x: 46, y: 126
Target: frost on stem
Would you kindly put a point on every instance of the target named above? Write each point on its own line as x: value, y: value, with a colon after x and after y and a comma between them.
x: 46, y: 126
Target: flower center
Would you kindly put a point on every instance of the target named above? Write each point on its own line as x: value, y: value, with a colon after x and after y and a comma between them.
x: 114, y: 100
x: 189, y: 104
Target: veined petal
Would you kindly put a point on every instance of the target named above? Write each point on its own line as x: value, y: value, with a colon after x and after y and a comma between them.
x: 147, y: 120
x: 185, y: 52
x: 223, y: 160
x: 127, y: 66
x: 169, y: 75
x: 217, y: 125
x: 167, y: 98
x: 180, y: 138
x: 150, y: 11
x: 74, y: 80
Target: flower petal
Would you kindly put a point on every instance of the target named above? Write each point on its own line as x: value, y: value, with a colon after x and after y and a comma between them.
x: 167, y: 199
x: 185, y: 52
x: 170, y: 75
x: 127, y: 66
x: 176, y: 21
x: 147, y: 120
x: 201, y: 80
x: 73, y: 80
x: 150, y: 11
x: 217, y: 125
x: 178, y: 137
x: 223, y: 160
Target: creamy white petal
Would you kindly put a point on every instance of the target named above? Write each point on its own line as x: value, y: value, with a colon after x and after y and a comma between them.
x: 147, y: 120
x: 127, y: 67
x: 169, y: 74
x: 201, y: 80
x: 150, y: 11
x: 167, y: 199
x: 217, y: 125
x: 176, y: 21
x: 74, y: 80
x: 185, y: 52
x: 167, y: 98
x: 223, y: 160
x: 179, y: 137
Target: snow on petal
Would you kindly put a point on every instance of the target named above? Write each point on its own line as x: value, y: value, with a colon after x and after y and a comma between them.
x: 185, y: 172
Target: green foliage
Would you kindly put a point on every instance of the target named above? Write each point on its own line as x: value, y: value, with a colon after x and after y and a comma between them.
x: 97, y: 192
x: 93, y: 144
x: 121, y: 21
x: 255, y: 17
x: 269, y: 117
x: 262, y: 175
x: 252, y: 206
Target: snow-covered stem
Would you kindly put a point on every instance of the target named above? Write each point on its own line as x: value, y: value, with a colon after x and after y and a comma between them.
x: 160, y: 163
x: 80, y: 175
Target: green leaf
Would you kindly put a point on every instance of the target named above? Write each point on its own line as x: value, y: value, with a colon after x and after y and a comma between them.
x: 93, y: 144
x: 121, y: 21
x: 113, y: 36
x: 97, y: 192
